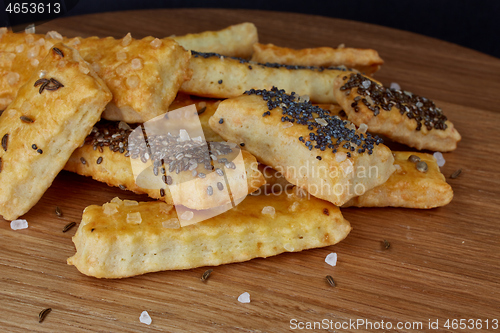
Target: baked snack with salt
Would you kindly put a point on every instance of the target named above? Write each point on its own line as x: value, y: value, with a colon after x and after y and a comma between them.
x: 137, y: 239
x: 408, y: 187
x: 143, y: 75
x: 366, y: 61
x: 108, y: 156
x: 314, y: 150
x: 219, y: 76
x: 49, y: 118
x: 234, y: 41
x: 400, y: 115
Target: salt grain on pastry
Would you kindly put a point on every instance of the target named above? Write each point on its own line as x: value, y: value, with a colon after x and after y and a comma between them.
x: 145, y: 318
x: 395, y: 86
x: 268, y: 210
x: 171, y: 224
x: 127, y: 40
x: 439, y: 158
x: 331, y: 259
x: 136, y: 64
x: 187, y: 215
x: 156, y: 43
x: 134, y: 218
x: 244, y: 298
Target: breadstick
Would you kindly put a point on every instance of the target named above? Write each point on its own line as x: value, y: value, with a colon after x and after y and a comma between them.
x: 364, y: 60
x: 235, y: 40
x: 49, y: 118
x: 107, y: 246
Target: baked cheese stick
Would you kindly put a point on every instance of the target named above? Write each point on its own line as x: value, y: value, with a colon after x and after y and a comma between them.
x: 408, y: 187
x: 234, y: 41
x: 364, y: 60
x: 314, y: 150
x: 143, y: 75
x: 217, y: 76
x: 49, y: 118
x: 399, y: 115
x: 119, y: 240
x: 105, y: 158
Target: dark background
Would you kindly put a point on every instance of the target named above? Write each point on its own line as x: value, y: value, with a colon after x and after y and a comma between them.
x: 473, y: 24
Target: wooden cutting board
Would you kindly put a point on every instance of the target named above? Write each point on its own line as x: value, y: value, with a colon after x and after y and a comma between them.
x: 442, y: 263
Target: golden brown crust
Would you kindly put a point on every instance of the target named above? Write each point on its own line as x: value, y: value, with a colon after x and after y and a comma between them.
x: 408, y: 187
x: 328, y: 178
x: 45, y: 127
x: 109, y: 247
x: 143, y: 75
x: 224, y: 77
x: 393, y: 124
x: 115, y: 169
x: 364, y: 60
x: 234, y: 41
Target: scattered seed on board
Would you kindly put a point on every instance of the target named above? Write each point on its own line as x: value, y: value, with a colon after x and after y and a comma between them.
x: 122, y: 187
x: 414, y: 158
x: 43, y: 314
x: 386, y: 244
x: 206, y: 275
x: 68, y: 226
x: 422, y: 166
x: 5, y: 141
x: 456, y: 174
x: 59, y: 52
x: 330, y: 280
x: 26, y: 119
x: 58, y: 211
x: 99, y: 160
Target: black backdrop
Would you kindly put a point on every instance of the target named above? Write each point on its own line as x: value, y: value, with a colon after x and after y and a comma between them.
x: 473, y: 24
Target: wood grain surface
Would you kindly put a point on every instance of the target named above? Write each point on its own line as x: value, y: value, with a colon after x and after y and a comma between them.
x: 442, y: 263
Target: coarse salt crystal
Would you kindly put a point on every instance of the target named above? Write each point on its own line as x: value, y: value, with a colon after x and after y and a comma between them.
x: 136, y: 63
x: 287, y: 125
x: 294, y: 206
x: 33, y: 52
x: 331, y: 259
x: 398, y: 167
x: 171, y: 224
x: 145, y: 318
x: 96, y: 67
x: 19, y: 224
x: 121, y: 56
x: 83, y: 67
x: 156, y: 43
x: 183, y: 135
x: 289, y: 247
x: 439, y: 159
x: 341, y: 46
x: 366, y: 84
x: 42, y: 74
x: 134, y: 218
x: 30, y: 29
x: 363, y: 128
x: 269, y: 210
x: 132, y: 81
x: 110, y: 208
x: 34, y: 62
x: 29, y: 38
x: 3, y: 31
x: 12, y: 78
x: 117, y: 200
x: 130, y: 203
x: 187, y: 215
x: 20, y: 48
x: 123, y: 125
x: 127, y: 39
x: 40, y: 42
x: 340, y: 156
x: 395, y: 86
x: 244, y: 298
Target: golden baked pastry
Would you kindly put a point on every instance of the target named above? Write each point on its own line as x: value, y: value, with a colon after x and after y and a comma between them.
x: 399, y: 115
x: 105, y: 158
x: 107, y: 246
x: 49, y: 118
x: 206, y: 108
x: 408, y: 187
x: 235, y: 40
x: 314, y: 150
x: 143, y: 75
x: 218, y: 76
x: 364, y: 60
